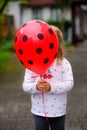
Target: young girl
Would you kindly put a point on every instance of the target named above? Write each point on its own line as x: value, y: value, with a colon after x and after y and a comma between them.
x: 49, y: 94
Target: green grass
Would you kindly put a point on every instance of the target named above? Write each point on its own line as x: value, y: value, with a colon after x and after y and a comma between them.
x: 7, y: 44
x: 4, y: 55
x: 67, y: 44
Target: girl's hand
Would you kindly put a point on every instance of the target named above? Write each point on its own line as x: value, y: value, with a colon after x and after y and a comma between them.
x: 43, y: 86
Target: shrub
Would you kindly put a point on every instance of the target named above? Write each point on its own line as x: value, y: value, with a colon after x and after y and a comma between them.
x: 55, y: 23
x: 7, y: 44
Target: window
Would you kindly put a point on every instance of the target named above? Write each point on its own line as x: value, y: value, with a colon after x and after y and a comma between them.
x: 56, y: 14
x: 37, y: 13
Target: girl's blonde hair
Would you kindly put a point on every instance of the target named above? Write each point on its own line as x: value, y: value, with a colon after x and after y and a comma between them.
x: 60, y: 54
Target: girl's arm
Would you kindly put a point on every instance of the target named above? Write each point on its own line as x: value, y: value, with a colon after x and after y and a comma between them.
x: 29, y: 84
x: 67, y: 82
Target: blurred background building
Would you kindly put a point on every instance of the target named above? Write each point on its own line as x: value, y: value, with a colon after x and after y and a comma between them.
x: 69, y: 15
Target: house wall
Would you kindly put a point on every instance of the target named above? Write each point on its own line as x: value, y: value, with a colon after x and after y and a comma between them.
x: 85, y: 23
x: 22, y: 15
x: 67, y: 14
x: 77, y: 25
x: 46, y: 13
x: 14, y: 9
x: 27, y: 15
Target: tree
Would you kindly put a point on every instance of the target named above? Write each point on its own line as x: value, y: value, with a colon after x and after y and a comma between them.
x: 3, y: 4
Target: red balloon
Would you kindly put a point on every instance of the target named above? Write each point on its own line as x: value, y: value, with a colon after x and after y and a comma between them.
x: 36, y: 45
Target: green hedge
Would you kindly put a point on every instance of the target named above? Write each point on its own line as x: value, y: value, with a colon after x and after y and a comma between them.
x: 55, y: 23
x: 59, y: 24
x: 67, y: 24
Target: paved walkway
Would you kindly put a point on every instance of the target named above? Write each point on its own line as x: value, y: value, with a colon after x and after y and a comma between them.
x: 15, y: 104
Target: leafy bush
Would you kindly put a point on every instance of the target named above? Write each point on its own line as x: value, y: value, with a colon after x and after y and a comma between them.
x: 7, y: 44
x: 55, y: 23
x: 67, y: 24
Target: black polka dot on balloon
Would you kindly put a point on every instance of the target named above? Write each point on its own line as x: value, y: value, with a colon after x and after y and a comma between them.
x: 38, y: 21
x: 51, y: 45
x: 25, y: 38
x: 50, y: 31
x: 22, y: 62
x: 40, y: 36
x: 39, y: 50
x: 20, y: 51
x: 46, y: 60
x: 16, y: 39
x: 24, y: 24
x: 30, y: 62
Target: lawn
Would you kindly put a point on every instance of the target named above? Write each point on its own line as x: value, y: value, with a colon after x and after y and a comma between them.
x: 6, y: 46
x: 4, y: 55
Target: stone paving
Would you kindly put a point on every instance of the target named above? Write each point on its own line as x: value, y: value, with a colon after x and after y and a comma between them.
x: 15, y: 104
